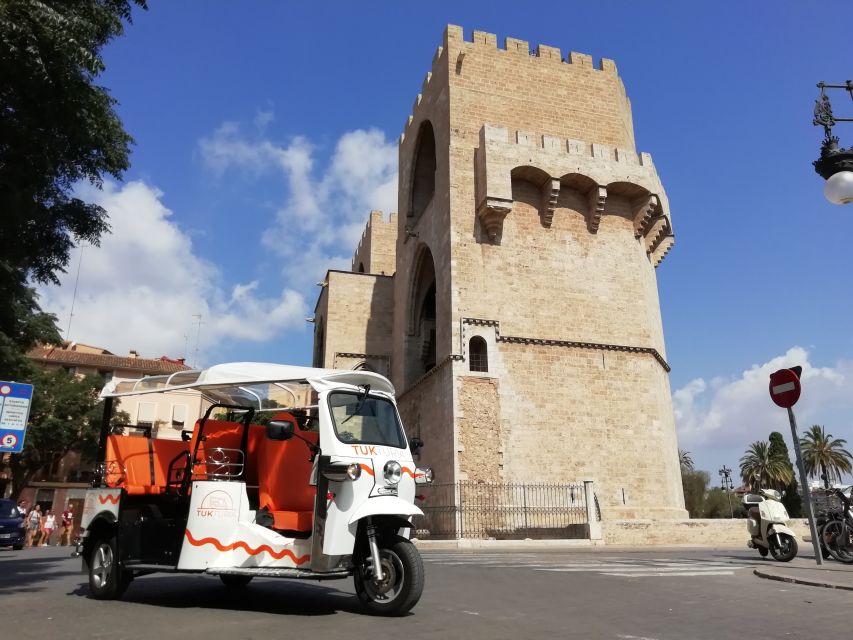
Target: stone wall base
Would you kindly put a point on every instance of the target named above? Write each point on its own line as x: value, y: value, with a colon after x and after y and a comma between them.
x: 699, y: 532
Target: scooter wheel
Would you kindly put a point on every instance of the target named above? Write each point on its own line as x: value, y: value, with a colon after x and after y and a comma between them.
x: 786, y: 550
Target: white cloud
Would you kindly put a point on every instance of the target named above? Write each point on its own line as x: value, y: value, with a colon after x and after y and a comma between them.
x: 324, y: 212
x: 717, y: 420
x: 142, y: 287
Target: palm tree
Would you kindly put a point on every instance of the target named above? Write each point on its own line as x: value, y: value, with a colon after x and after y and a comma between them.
x: 685, y: 460
x: 758, y: 467
x: 824, y: 454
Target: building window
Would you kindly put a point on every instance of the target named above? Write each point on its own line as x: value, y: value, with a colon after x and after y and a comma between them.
x: 106, y: 375
x: 179, y: 415
x: 478, y: 355
x: 146, y: 414
x: 70, y: 370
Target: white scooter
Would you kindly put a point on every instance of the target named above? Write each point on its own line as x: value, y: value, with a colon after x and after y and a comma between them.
x: 767, y: 524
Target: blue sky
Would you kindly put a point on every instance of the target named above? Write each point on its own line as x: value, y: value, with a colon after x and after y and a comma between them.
x: 266, y: 131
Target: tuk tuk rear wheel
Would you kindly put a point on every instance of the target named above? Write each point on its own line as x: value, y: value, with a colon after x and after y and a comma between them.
x: 402, y: 582
x: 107, y: 581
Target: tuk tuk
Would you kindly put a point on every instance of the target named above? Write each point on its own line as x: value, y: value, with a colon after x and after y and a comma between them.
x: 290, y: 472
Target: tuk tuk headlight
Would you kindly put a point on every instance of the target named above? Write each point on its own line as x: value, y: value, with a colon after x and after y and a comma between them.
x: 424, y: 475
x: 393, y: 472
x: 354, y: 471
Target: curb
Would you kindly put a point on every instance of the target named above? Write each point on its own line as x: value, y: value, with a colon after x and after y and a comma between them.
x: 803, y: 581
x: 470, y: 545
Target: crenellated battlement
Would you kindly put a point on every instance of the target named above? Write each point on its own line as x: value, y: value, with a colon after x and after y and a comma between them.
x: 522, y: 47
x: 377, y: 245
x: 480, y: 40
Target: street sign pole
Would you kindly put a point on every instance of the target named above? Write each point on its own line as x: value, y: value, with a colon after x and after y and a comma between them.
x: 804, y: 483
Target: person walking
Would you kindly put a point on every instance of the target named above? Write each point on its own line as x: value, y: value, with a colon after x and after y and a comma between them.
x: 67, y: 526
x: 33, y: 524
x: 48, y: 526
x: 22, y: 508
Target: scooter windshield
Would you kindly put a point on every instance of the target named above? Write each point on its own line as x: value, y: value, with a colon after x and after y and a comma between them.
x: 361, y: 419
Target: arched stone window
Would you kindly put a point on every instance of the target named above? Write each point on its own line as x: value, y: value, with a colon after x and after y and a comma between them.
x: 361, y: 267
x: 423, y: 172
x: 478, y: 354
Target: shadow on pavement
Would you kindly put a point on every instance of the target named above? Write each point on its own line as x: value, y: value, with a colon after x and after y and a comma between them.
x: 261, y: 596
x: 23, y: 571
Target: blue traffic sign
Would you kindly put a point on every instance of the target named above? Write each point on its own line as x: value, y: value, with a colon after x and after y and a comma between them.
x: 15, y: 401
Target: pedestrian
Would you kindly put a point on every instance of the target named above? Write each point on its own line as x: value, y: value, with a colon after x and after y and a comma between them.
x: 48, y: 525
x: 33, y: 523
x: 22, y: 508
x: 67, y: 526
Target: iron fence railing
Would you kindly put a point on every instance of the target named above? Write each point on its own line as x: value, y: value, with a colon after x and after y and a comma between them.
x: 470, y: 509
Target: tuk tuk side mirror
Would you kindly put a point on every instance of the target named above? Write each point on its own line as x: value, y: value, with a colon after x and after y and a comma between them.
x: 415, y: 444
x: 280, y: 430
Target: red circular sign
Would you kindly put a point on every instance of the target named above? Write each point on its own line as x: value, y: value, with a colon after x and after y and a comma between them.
x: 784, y: 388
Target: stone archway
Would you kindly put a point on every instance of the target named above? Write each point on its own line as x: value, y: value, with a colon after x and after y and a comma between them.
x: 421, y: 349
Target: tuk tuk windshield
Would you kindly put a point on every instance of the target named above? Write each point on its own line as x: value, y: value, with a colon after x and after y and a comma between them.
x: 360, y: 419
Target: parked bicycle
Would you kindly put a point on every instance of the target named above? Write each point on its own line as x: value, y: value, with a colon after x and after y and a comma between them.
x: 836, y: 528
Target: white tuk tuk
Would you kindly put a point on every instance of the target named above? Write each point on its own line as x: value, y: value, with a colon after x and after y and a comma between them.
x: 291, y: 472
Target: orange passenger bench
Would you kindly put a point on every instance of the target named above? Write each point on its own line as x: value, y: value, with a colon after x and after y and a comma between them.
x: 140, y: 465
x: 284, y: 476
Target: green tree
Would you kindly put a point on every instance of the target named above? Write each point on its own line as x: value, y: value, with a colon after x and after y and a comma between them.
x: 694, y: 484
x: 823, y: 454
x: 719, y: 504
x: 685, y: 460
x: 761, y: 469
x: 58, y: 128
x: 792, y: 500
x: 65, y: 416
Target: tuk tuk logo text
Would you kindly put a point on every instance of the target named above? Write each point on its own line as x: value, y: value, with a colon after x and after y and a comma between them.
x: 373, y: 450
x: 104, y: 499
x: 216, y: 504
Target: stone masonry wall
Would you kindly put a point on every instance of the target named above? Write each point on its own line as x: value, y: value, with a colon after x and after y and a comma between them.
x: 480, y: 437
x: 358, y: 321
x: 427, y: 413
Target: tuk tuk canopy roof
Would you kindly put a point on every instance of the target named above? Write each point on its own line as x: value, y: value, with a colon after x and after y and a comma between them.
x: 246, y: 382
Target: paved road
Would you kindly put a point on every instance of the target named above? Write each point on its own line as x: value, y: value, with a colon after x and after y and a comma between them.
x: 660, y: 594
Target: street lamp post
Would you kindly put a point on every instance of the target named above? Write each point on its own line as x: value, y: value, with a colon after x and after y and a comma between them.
x: 835, y: 164
x: 726, y: 475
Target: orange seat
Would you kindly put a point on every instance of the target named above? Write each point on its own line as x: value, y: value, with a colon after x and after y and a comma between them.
x: 223, y: 434
x: 140, y: 465
x: 284, y: 476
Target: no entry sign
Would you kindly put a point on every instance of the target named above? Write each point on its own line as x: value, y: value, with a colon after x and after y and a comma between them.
x: 785, y: 388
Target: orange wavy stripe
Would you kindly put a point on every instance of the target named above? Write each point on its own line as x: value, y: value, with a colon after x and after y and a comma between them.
x: 367, y: 469
x: 278, y: 555
x: 108, y: 498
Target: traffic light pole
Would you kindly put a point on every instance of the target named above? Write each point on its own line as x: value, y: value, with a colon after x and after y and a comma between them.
x: 804, y: 483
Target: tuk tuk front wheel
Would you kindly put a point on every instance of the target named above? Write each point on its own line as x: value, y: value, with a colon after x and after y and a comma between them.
x: 402, y: 579
x: 106, y: 579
